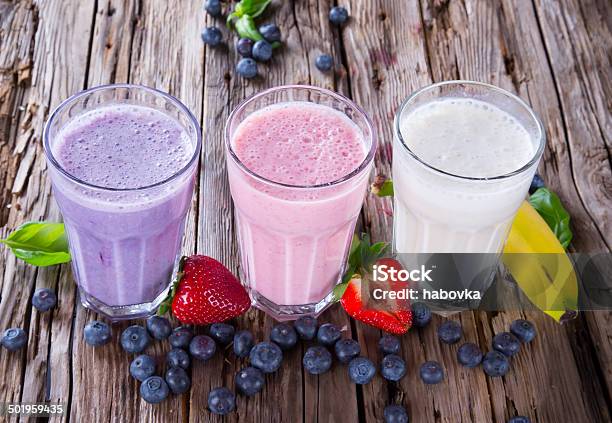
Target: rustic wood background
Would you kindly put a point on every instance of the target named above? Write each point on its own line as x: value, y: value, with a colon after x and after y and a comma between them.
x: 554, y: 54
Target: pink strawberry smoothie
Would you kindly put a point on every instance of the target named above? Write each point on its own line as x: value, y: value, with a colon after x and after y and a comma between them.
x: 295, y: 220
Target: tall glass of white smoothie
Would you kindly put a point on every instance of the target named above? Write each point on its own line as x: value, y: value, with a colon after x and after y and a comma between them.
x: 464, y: 154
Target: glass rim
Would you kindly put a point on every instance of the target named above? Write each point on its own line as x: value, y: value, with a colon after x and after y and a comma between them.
x: 363, y: 165
x: 541, y: 132
x: 70, y: 100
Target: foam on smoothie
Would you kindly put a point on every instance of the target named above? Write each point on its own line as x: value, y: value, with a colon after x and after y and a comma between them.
x: 467, y: 137
x: 299, y: 143
x: 123, y: 146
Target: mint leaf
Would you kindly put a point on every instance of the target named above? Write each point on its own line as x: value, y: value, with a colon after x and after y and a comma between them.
x: 39, y: 243
x: 245, y: 26
x: 549, y: 206
x: 252, y: 8
x: 382, y: 186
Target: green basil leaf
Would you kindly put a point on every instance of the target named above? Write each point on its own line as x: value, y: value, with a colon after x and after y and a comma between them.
x: 245, y: 26
x: 382, y: 187
x: 549, y: 206
x: 39, y: 243
x: 253, y: 8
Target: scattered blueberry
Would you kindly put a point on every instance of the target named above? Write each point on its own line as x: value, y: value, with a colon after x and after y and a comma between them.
x: 246, y: 68
x: 393, y: 367
x: 202, y: 347
x: 361, y: 370
x: 159, y: 327
x: 284, y: 336
x: 244, y: 47
x: 266, y: 356
x: 243, y: 342
x: 395, y: 414
x: 262, y: 51
x: 221, y: 401
x: 338, y: 15
x: 181, y: 337
x: 450, y: 332
x: 270, y: 32
x: 469, y: 355
x: 178, y: 380
x: 135, y: 339
x: 536, y: 183
x: 44, y: 299
x: 347, y: 349
x: 212, y: 36
x: 97, y: 333
x: 523, y: 330
x: 389, y: 344
x: 222, y: 333
x: 142, y: 367
x: 249, y: 381
x: 213, y: 8
x: 306, y: 327
x: 519, y: 419
x: 154, y: 389
x: 14, y: 339
x: 495, y: 364
x: 324, y: 62
x: 317, y: 360
x: 178, y: 357
x: 506, y: 343
x: 421, y: 315
x: 328, y: 334
x: 431, y: 372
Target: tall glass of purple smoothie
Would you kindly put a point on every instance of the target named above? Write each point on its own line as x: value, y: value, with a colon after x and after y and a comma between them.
x: 122, y: 161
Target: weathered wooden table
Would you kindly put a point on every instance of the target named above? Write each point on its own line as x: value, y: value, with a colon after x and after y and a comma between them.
x: 554, y: 54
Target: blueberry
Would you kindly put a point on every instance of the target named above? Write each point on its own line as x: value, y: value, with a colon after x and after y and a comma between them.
x: 178, y: 380
x: 181, y: 337
x: 159, y: 327
x: 393, y: 367
x: 536, y: 183
x: 328, y: 334
x: 221, y: 401
x: 243, y: 342
x: 246, y: 68
x: 262, y: 51
x: 506, y: 343
x: 178, y: 357
x: 519, y: 419
x: 266, y: 356
x: 523, y: 330
x: 469, y: 355
x: 244, y: 47
x: 284, y: 336
x: 270, y: 32
x: 338, y: 15
x: 421, y: 315
x: 14, y: 339
x: 389, y: 344
x: 450, y: 332
x: 431, y: 372
x: 495, y: 364
x: 361, y: 370
x: 135, y: 339
x: 306, y: 327
x: 142, y: 367
x: 222, y: 333
x: 44, y: 299
x: 347, y: 349
x: 324, y: 62
x: 202, y: 347
x: 249, y: 381
x: 154, y: 389
x: 97, y: 333
x: 213, y: 8
x: 317, y: 360
x: 212, y: 36
x: 395, y: 414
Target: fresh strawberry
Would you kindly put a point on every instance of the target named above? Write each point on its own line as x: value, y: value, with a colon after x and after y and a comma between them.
x: 206, y: 292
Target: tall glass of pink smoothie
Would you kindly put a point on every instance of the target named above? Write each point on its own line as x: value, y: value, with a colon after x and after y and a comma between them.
x: 298, y: 161
x: 122, y: 161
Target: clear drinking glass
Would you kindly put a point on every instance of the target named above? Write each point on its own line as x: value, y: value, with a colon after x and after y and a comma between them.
x: 294, y: 239
x: 124, y: 242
